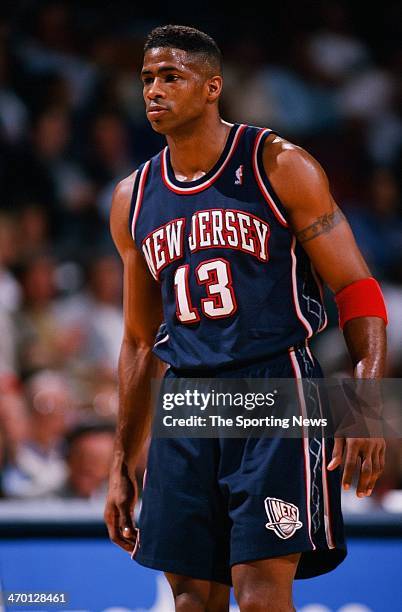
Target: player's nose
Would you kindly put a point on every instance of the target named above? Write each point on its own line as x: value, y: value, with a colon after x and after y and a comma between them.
x: 155, y: 91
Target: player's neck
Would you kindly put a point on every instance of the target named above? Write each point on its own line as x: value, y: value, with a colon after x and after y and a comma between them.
x: 194, y: 152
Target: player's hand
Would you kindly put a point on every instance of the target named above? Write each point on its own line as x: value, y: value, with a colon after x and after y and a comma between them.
x: 121, y: 499
x: 369, y: 452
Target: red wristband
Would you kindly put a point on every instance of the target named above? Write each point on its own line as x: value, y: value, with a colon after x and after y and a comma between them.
x: 363, y: 298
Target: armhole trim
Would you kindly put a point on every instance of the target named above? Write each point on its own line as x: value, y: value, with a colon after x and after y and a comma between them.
x: 262, y: 180
x: 137, y: 197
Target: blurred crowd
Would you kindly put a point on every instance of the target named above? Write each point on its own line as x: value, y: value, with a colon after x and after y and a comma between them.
x: 72, y: 125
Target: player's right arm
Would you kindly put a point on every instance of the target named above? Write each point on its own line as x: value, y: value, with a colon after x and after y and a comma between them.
x: 137, y: 366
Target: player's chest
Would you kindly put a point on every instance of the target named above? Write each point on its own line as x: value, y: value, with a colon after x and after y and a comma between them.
x: 177, y: 228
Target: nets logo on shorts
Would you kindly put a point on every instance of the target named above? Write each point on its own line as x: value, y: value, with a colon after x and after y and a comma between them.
x: 283, y: 517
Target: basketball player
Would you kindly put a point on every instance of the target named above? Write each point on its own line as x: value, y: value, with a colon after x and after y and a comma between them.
x: 225, y: 236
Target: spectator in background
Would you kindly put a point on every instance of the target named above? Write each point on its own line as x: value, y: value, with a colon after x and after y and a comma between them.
x: 378, y: 226
x: 10, y: 300
x: 14, y: 418
x: 89, y: 455
x: 38, y: 467
x: 43, y: 340
x: 284, y: 97
x: 105, y: 302
x: 8, y: 365
x: 13, y: 112
x: 109, y: 156
x: 49, y: 46
x: 38, y: 160
x: 14, y: 426
x: 10, y: 292
x: 50, y: 175
x: 334, y: 49
x: 97, y: 313
x: 33, y: 230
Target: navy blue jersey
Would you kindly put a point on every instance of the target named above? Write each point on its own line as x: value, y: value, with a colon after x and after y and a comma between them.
x: 236, y: 286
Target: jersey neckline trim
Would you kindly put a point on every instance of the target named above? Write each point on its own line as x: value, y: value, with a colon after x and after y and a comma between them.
x: 211, y: 176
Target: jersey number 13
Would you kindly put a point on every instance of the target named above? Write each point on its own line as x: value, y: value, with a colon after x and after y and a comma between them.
x: 220, y: 301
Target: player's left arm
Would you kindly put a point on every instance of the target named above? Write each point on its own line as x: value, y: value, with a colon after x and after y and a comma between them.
x: 322, y: 230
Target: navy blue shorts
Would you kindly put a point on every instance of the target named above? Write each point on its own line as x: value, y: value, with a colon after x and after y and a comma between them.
x: 209, y: 504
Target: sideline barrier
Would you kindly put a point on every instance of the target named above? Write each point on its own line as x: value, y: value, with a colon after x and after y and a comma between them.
x: 63, y: 546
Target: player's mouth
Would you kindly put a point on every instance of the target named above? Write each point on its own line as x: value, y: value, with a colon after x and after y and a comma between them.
x: 155, y: 111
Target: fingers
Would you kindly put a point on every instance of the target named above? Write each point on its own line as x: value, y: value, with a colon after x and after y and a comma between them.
x: 369, y: 454
x: 375, y: 473
x: 126, y: 527
x: 376, y: 459
x: 126, y: 522
x: 129, y: 533
x: 337, y: 454
x: 352, y: 453
x: 365, y: 476
x: 382, y: 456
x: 121, y: 528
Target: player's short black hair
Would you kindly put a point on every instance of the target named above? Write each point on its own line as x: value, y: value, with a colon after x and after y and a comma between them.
x: 188, y: 39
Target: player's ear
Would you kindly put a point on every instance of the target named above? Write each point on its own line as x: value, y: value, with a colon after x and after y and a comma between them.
x: 214, y: 85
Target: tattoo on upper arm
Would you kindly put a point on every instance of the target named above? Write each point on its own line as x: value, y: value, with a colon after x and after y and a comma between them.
x: 322, y: 225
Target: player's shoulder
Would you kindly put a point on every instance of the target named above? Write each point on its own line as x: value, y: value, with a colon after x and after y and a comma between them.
x: 124, y: 191
x: 286, y: 160
x: 124, y: 188
x: 120, y: 210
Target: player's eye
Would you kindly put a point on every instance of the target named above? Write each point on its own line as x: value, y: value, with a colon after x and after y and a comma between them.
x: 171, y: 77
x: 147, y: 80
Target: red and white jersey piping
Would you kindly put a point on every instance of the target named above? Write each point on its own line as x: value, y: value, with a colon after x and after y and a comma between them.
x: 263, y: 133
x: 140, y: 196
x: 209, y: 181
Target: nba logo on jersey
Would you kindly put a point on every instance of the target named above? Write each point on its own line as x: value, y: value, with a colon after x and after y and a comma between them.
x: 239, y: 175
x: 283, y: 517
